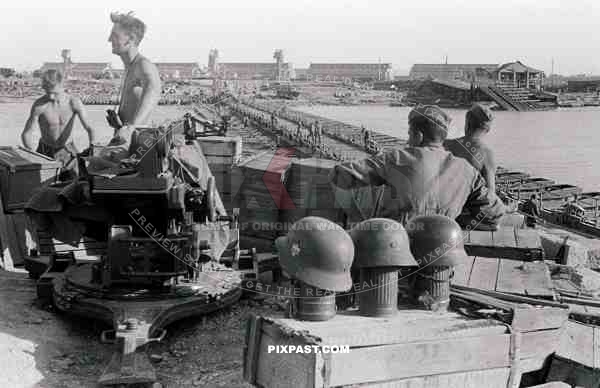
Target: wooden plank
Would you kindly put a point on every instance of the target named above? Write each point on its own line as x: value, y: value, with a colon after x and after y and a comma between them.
x: 527, y: 317
x: 484, y: 273
x: 489, y: 378
x: 541, y: 343
x: 18, y: 224
x: 253, y: 337
x: 503, y: 244
x: 462, y: 272
x: 349, y: 328
x: 527, y: 314
x: 529, y: 279
x: 526, y: 254
x: 283, y: 370
x: 504, y: 237
x: 398, y: 361
x: 572, y: 373
x: 532, y: 364
x: 596, y: 347
x: 479, y: 237
x: 10, y: 252
x: 528, y: 238
x: 577, y: 343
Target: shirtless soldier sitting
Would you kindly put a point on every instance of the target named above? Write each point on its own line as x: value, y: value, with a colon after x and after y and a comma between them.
x: 55, y: 114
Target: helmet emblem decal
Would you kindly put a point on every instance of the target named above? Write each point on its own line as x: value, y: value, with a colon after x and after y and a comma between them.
x: 295, y: 249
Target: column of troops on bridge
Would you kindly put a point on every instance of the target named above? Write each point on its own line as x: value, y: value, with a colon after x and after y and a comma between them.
x: 301, y: 130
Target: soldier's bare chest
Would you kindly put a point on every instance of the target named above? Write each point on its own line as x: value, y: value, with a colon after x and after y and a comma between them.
x: 57, y: 113
x: 133, y: 83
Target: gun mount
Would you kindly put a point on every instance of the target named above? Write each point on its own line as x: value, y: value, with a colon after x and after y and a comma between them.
x: 168, y: 239
x: 195, y: 127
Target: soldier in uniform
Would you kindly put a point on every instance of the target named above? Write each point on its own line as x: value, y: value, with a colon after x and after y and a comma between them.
x: 424, y: 178
x: 472, y: 146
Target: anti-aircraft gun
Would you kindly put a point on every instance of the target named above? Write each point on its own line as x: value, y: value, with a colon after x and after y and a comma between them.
x: 166, y: 232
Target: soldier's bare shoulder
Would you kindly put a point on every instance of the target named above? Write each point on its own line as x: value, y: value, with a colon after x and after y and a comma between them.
x: 39, y: 105
x: 147, y: 67
x: 75, y: 103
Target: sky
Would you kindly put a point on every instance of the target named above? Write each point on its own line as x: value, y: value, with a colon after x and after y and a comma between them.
x: 399, y: 32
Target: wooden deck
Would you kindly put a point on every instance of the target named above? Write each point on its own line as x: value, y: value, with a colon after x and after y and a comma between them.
x: 506, y: 242
x: 505, y: 275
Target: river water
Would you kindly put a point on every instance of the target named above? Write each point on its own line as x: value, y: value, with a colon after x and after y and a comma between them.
x: 563, y: 145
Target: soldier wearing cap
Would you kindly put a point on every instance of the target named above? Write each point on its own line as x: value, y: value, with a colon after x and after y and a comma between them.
x: 423, y: 178
x: 472, y: 146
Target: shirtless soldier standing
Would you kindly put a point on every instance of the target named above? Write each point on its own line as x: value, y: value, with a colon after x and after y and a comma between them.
x: 55, y: 114
x: 141, y: 82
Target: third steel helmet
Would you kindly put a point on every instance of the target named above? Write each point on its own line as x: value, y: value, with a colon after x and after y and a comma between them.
x: 436, y: 240
x: 381, y: 242
x: 318, y: 252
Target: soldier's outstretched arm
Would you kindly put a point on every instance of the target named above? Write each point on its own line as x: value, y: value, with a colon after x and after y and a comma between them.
x: 150, y: 94
x: 484, y: 205
x: 370, y: 171
x: 489, y: 172
x: 27, y: 137
x: 81, y: 111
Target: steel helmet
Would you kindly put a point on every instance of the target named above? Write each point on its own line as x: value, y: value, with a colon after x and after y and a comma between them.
x: 381, y: 242
x: 436, y: 240
x: 318, y: 252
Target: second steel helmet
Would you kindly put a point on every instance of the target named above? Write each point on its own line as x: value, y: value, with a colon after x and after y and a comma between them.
x: 436, y: 241
x: 318, y: 252
x: 381, y: 242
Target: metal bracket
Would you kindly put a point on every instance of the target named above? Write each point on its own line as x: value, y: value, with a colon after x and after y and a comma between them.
x: 104, y: 336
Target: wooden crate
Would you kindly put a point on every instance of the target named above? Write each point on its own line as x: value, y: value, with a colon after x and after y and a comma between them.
x: 308, y: 183
x: 505, y: 275
x: 16, y: 238
x: 414, y: 348
x: 262, y: 222
x: 263, y: 180
x: 221, y: 150
x: 21, y: 172
x: 581, y: 343
x: 506, y: 242
x: 228, y: 180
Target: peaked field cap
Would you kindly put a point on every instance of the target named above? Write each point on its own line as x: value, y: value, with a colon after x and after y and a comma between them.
x: 432, y: 113
x: 480, y: 113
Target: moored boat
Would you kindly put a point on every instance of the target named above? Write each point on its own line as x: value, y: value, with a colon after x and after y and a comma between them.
x: 560, y: 192
x: 510, y: 177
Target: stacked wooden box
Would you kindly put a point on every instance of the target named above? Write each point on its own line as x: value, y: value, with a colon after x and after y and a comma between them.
x: 419, y: 348
x: 309, y: 187
x: 222, y: 155
x: 262, y: 193
x: 412, y: 349
x: 577, y: 359
x: 221, y: 150
x: 21, y: 172
x: 228, y: 180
